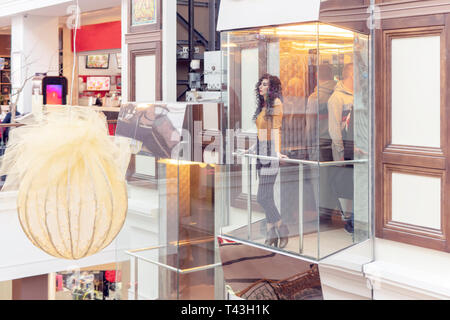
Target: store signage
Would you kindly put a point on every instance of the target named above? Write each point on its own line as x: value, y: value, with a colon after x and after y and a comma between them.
x: 102, y: 36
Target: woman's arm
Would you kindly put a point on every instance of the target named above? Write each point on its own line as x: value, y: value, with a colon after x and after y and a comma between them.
x: 277, y: 123
x: 277, y: 140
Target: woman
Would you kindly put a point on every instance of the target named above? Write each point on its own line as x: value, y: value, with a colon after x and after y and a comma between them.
x: 268, y: 118
x: 98, y: 100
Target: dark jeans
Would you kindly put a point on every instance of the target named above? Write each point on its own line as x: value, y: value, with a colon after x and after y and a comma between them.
x: 265, y: 197
x: 342, y: 184
x: 2, y: 152
x: 267, y: 174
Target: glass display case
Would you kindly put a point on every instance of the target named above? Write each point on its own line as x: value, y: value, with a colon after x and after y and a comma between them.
x: 296, y: 175
x: 171, y: 244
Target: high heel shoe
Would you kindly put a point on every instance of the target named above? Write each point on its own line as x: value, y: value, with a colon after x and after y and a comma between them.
x: 271, y: 238
x: 283, y: 233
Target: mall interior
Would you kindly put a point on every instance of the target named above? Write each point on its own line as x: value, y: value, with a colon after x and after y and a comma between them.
x: 224, y: 150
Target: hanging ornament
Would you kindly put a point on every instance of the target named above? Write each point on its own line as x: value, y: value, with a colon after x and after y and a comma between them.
x: 70, y: 176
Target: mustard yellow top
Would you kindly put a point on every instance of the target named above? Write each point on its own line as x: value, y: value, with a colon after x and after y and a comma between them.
x: 265, y: 126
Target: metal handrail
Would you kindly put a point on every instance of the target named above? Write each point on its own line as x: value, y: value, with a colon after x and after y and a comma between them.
x: 7, y: 125
x: 134, y: 254
x: 299, y: 161
x: 16, y: 124
x: 136, y: 257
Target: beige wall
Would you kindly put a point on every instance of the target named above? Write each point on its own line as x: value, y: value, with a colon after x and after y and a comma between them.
x: 68, y: 65
x: 31, y: 288
x: 6, y: 290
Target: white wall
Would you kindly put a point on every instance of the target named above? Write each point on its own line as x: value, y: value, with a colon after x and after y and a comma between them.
x: 11, y: 7
x: 416, y: 91
x: 124, y: 52
x: 402, y: 271
x: 55, y: 8
x: 399, y: 272
x: 31, y: 52
x: 249, y: 77
x: 169, y: 51
x: 416, y: 200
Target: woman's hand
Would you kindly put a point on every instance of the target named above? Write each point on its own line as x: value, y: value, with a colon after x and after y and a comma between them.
x: 252, y: 149
x: 360, y: 152
x: 282, y: 156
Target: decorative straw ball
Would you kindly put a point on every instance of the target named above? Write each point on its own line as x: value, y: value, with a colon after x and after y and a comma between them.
x: 72, y: 198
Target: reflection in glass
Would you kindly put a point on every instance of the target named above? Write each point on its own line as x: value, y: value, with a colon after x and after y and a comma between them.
x: 299, y: 182
x: 254, y: 274
x: 171, y: 247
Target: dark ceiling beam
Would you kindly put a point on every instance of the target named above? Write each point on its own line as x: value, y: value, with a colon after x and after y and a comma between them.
x: 197, y: 34
x: 196, y: 3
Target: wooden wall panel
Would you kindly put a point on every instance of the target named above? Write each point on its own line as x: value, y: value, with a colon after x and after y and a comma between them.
x: 414, y: 160
x: 144, y: 40
x: 31, y: 288
x: 5, y: 45
x: 137, y: 49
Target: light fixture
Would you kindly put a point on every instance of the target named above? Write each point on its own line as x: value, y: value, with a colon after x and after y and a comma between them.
x: 311, y: 30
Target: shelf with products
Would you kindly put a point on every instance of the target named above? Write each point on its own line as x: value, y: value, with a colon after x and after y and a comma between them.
x: 5, y: 62
x: 89, y: 284
x: 5, y: 76
x: 106, y: 87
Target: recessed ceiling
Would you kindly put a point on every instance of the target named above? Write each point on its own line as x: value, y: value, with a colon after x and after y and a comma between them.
x: 63, y: 10
x: 97, y: 16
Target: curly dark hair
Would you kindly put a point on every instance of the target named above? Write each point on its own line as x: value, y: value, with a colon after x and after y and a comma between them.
x: 273, y: 92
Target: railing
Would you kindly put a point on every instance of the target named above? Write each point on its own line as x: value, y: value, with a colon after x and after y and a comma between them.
x: 136, y: 255
x: 247, y: 164
x: 299, y: 161
x: 7, y: 125
x: 3, y: 126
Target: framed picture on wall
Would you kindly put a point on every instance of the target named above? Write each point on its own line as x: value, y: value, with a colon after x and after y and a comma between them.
x: 5, y: 77
x: 144, y: 15
x: 5, y: 63
x: 6, y: 89
x: 143, y: 12
x: 97, y: 61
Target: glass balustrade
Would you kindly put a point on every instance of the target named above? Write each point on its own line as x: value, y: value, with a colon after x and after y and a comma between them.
x: 296, y: 178
x: 169, y: 245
